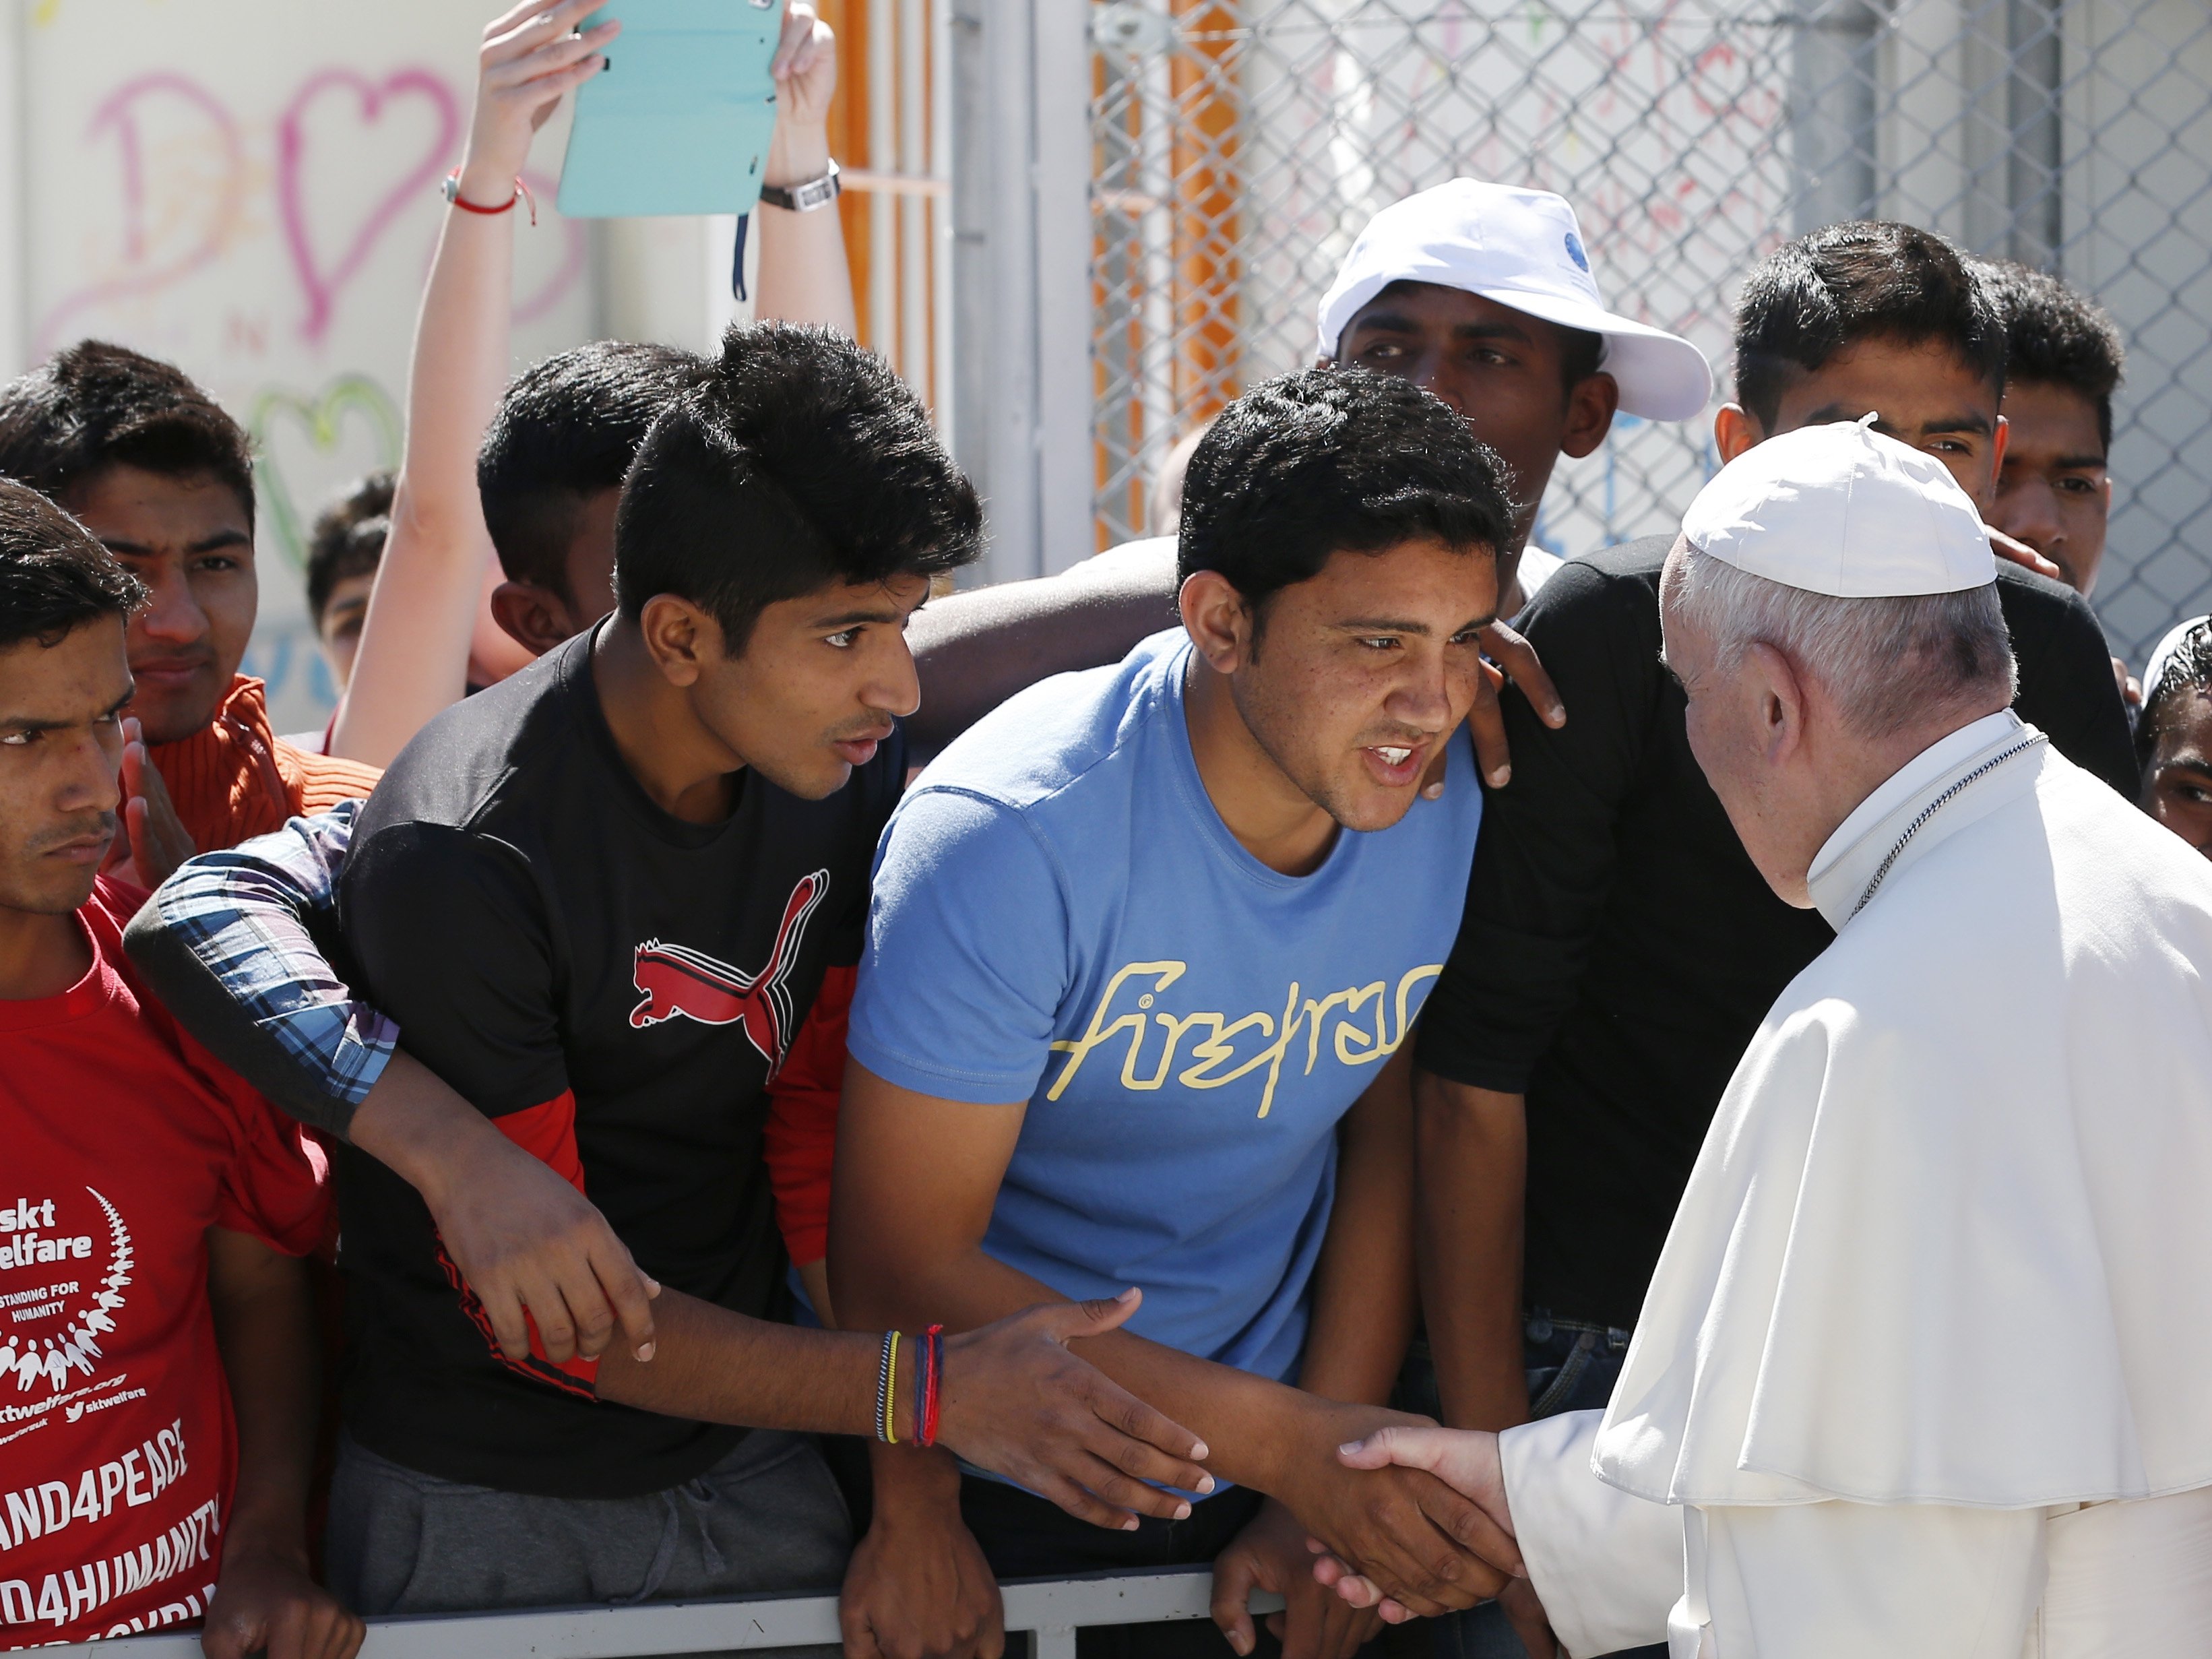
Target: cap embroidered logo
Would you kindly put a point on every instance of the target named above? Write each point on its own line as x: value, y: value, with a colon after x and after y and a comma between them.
x: 1575, y: 252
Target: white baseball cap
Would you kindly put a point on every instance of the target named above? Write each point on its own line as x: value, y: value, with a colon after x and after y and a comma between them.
x: 1844, y: 510
x: 1522, y: 248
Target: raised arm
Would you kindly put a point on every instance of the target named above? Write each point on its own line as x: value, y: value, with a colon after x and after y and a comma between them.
x: 425, y: 613
x: 803, y: 277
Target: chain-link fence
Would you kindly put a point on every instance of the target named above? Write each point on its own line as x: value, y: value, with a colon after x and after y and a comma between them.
x: 1240, y: 145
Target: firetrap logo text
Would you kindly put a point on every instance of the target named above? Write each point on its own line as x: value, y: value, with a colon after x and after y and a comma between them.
x: 1219, y: 1048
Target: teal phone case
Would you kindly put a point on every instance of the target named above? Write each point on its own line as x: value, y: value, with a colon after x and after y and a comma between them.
x: 679, y: 121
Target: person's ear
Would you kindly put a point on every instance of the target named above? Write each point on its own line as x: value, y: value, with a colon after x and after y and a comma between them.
x: 1218, y: 620
x: 683, y: 639
x: 534, y: 618
x: 1777, y: 690
x: 1590, y: 409
x: 1736, y: 429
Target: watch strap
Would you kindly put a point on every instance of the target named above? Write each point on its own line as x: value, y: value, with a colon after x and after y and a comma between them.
x: 805, y: 196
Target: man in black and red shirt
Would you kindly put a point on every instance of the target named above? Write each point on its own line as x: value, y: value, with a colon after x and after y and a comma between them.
x: 608, y: 902
x: 151, y: 1205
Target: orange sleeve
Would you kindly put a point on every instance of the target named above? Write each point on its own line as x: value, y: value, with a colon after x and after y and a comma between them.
x: 802, y: 1120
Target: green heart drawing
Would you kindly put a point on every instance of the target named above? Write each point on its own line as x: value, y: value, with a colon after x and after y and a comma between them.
x: 321, y: 416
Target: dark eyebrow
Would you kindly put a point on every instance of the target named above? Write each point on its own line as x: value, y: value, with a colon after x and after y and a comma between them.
x: 1381, y: 625
x: 1390, y: 322
x: 2080, y: 464
x: 228, y: 538
x: 1962, y: 422
x: 2189, y: 763
x: 854, y: 618
x: 1420, y: 630
x: 34, y: 725
x: 1393, y: 322
x: 1490, y: 332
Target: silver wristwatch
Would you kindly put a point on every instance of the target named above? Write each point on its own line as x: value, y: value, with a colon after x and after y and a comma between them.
x: 806, y: 197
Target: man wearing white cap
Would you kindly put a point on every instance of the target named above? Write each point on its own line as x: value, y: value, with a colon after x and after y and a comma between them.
x: 1483, y: 294
x: 1923, y: 1369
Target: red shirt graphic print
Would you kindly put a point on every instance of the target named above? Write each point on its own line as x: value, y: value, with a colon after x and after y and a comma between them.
x: 673, y: 980
x: 124, y: 1143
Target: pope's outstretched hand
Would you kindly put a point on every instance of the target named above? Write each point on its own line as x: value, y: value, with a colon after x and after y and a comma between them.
x: 1463, y: 1459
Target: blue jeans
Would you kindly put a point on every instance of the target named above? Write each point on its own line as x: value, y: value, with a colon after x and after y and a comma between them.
x: 1571, y: 1366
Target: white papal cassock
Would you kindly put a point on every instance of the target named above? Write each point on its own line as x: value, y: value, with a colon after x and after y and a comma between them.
x: 1926, y: 1366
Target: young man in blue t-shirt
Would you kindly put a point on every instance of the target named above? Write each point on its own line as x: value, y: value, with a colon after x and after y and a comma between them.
x: 1133, y: 1009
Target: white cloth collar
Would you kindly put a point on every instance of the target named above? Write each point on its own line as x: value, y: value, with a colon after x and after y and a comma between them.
x: 1848, y: 859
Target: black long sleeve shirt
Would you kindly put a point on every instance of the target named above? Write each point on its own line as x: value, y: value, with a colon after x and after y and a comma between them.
x: 1619, y: 947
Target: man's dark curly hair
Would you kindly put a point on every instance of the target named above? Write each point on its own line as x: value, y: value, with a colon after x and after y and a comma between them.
x: 1330, y: 460
x: 96, y: 405
x: 1814, y: 298
x: 2188, y: 673
x: 348, y: 537
x: 799, y: 461
x: 568, y: 427
x: 54, y: 577
x: 2058, y: 337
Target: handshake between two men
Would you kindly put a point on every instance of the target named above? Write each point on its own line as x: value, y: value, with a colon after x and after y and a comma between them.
x: 1370, y: 1513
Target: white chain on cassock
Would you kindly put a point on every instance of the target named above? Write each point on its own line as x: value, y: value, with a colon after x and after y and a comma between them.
x: 1935, y: 806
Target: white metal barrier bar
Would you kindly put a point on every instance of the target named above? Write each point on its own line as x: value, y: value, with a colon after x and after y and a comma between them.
x: 1053, y: 1609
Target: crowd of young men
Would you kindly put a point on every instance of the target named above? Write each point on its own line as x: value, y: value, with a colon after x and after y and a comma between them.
x: 655, y: 1049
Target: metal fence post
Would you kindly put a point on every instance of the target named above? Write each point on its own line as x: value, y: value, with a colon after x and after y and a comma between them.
x: 1022, y: 277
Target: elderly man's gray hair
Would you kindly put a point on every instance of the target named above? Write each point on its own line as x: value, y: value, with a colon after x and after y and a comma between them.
x: 1886, y: 661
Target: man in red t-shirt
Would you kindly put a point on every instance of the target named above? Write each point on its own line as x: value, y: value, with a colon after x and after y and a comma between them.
x: 157, y: 1397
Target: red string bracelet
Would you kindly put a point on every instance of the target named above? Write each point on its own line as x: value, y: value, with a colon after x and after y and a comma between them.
x: 934, y: 1347
x: 522, y: 193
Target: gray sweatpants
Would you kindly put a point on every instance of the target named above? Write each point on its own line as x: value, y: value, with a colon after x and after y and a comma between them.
x: 767, y: 1518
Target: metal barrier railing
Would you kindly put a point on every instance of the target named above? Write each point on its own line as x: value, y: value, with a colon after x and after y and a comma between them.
x: 1052, y: 1610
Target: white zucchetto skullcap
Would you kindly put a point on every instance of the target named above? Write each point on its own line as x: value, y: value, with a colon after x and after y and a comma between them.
x: 1843, y: 510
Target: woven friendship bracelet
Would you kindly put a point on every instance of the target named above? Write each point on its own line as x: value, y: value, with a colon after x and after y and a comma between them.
x: 884, y: 1385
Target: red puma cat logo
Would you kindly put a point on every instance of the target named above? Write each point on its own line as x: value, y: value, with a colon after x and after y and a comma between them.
x: 674, y: 981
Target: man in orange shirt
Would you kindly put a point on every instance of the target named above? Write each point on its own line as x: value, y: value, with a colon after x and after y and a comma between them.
x: 154, y: 468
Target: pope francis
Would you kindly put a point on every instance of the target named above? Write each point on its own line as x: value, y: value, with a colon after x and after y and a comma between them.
x: 1926, y: 1367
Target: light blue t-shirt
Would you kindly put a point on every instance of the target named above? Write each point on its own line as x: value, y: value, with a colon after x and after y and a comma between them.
x: 1061, y: 917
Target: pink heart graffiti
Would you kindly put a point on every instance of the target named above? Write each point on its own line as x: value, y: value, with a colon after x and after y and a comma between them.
x: 321, y: 283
